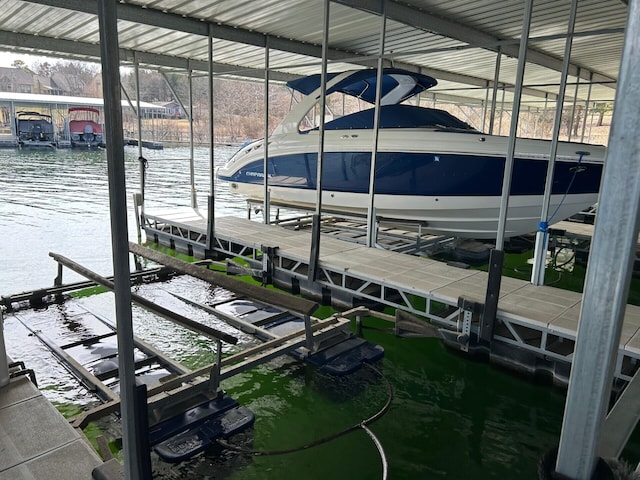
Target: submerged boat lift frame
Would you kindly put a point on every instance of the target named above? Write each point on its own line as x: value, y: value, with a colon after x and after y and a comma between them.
x: 186, y: 383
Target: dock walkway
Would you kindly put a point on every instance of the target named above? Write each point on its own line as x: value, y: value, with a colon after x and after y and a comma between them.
x: 540, y: 322
x: 36, y: 441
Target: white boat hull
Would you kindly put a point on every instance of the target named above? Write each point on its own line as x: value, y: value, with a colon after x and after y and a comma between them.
x: 454, y: 216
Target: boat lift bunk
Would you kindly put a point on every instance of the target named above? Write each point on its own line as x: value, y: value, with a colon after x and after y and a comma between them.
x: 187, y: 410
x: 342, y: 354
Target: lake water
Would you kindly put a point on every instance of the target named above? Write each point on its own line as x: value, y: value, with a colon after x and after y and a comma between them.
x: 451, y: 417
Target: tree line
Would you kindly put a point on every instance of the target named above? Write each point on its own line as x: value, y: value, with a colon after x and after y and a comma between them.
x: 238, y: 104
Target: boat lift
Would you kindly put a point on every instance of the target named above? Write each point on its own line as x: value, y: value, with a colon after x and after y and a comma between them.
x: 186, y: 409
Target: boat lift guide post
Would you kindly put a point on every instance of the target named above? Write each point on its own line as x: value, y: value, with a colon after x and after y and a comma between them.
x: 542, y: 235
x: 315, y: 229
x: 496, y: 258
x: 212, y: 166
x: 4, y: 361
x: 371, y: 211
x: 266, y: 209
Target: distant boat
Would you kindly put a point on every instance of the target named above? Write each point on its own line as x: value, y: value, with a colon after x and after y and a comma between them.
x: 35, y: 130
x: 85, y: 128
x: 431, y: 167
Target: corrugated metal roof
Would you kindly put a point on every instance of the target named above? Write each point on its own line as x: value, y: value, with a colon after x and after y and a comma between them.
x: 452, y: 40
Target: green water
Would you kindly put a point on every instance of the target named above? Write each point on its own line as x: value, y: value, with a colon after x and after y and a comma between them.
x: 450, y: 417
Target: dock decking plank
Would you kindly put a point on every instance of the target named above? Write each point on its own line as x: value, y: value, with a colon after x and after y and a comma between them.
x: 557, y: 310
x: 57, y: 452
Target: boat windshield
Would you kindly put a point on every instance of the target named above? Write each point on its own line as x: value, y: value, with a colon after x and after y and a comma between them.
x: 339, y: 117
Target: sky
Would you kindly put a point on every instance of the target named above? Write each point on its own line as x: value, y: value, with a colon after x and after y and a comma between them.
x: 7, y: 58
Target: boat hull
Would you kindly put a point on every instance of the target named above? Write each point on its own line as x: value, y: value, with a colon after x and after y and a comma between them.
x: 459, y: 216
x: 449, y: 182
x: 84, y: 128
x: 36, y: 144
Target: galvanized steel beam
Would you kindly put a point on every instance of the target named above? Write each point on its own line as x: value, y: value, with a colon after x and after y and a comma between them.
x: 372, y: 224
x: 133, y: 456
x: 44, y: 45
x: 542, y: 235
x: 608, y: 276
x: 211, y: 198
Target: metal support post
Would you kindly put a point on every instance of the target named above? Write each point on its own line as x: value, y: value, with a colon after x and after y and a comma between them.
x: 494, y: 94
x: 214, y: 376
x: 142, y: 417
x: 517, y: 94
x: 192, y: 167
x: 137, y: 209
x: 542, y: 235
x: 266, y: 209
x: 586, y: 107
x: 371, y: 217
x: 501, y: 111
x: 488, y: 316
x: 142, y: 161
x: 496, y: 258
x: 312, y: 274
x: 485, y: 105
x: 268, y: 254
x: 212, y: 165
x: 58, y: 280
x: 572, y: 119
x: 308, y: 331
x: 608, y: 274
x: 138, y: 114
x: 109, y: 49
x: 4, y: 361
x: 315, y: 231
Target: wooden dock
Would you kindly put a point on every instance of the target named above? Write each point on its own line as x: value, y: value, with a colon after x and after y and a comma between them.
x: 536, y: 325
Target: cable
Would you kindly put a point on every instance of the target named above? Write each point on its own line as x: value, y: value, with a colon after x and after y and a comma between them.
x: 332, y: 436
x: 576, y: 170
x: 557, y: 265
x: 385, y: 466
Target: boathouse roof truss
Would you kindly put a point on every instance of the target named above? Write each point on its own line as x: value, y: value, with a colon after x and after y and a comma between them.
x: 454, y: 41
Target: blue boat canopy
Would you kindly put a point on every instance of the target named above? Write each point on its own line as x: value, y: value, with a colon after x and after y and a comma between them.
x: 397, y: 85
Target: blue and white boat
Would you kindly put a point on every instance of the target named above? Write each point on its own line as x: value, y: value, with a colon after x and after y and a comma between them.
x: 430, y: 166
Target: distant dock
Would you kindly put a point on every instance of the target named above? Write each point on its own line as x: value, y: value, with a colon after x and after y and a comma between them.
x: 145, y: 143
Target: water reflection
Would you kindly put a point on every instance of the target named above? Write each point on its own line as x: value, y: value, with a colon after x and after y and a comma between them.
x: 59, y: 201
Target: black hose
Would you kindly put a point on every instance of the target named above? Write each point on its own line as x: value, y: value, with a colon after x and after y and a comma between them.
x: 327, y: 438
